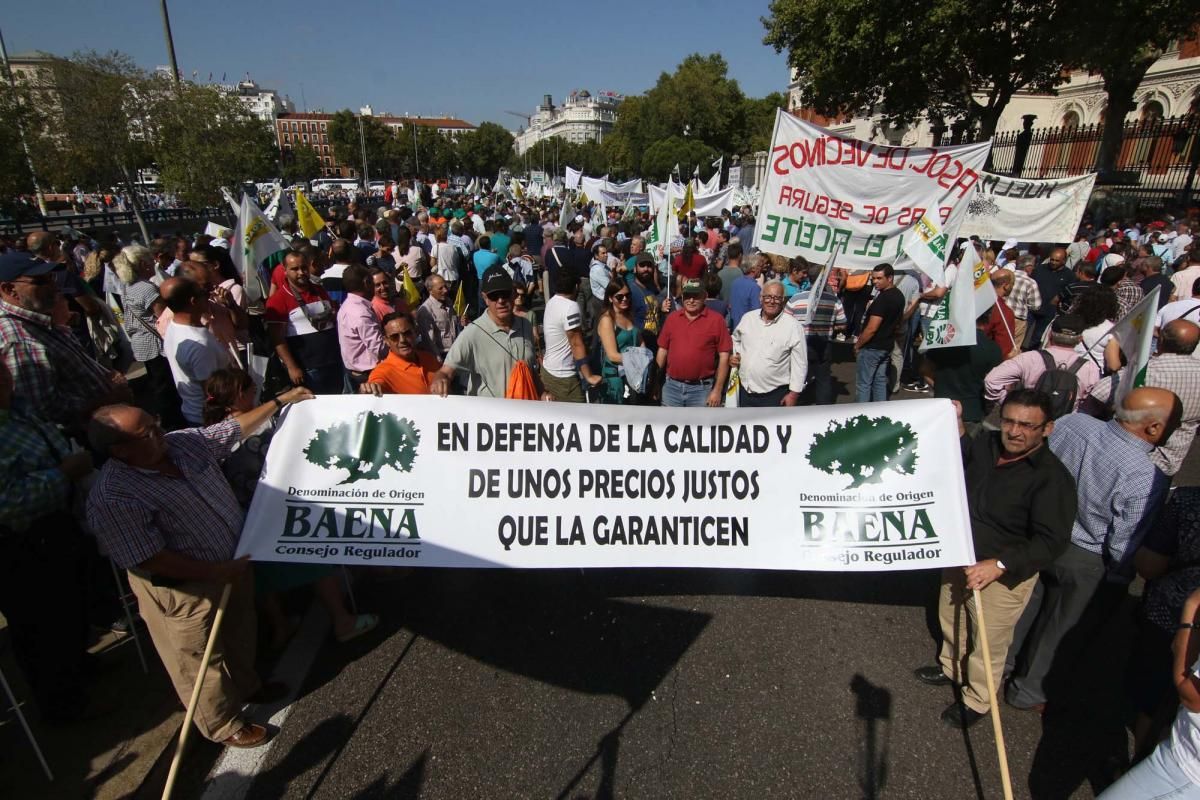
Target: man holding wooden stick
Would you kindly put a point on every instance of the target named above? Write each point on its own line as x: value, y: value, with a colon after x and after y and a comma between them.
x: 163, y: 510
x: 1022, y: 505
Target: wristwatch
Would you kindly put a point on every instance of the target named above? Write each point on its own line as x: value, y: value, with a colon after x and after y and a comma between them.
x: 278, y: 403
x: 1000, y: 564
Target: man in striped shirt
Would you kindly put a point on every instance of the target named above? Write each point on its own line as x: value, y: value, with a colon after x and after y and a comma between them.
x: 828, y: 317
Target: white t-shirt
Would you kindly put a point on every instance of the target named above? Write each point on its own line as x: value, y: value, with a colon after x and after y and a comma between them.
x: 194, y: 354
x: 562, y: 315
x: 1187, y: 308
x: 443, y: 253
x: 1184, y: 744
x: 928, y: 308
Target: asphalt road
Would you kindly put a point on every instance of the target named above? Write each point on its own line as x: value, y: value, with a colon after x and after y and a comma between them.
x: 663, y: 684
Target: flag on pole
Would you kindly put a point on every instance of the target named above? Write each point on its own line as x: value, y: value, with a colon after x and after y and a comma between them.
x: 411, y: 294
x: 307, y: 218
x: 460, y: 299
x: 927, y: 246
x: 953, y: 324
x: 985, y: 293
x: 564, y: 216
x: 234, y: 205
x: 1134, y: 333
x: 689, y: 202
x: 717, y: 164
x: 272, y: 209
x: 285, y: 208
x: 257, y: 240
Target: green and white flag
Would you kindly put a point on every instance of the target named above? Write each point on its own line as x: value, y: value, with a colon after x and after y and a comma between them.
x: 953, y: 324
x: 927, y: 246
x: 1134, y: 333
x: 256, y: 240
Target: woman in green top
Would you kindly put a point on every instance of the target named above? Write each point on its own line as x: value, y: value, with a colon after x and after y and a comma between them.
x: 617, y: 332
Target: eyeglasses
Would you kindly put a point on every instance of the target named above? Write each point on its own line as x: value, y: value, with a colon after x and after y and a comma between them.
x: 770, y: 298
x: 1021, y: 425
x: 404, y: 333
x: 496, y: 297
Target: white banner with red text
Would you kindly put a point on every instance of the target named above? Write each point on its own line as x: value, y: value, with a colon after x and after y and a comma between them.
x: 825, y: 192
x: 473, y: 482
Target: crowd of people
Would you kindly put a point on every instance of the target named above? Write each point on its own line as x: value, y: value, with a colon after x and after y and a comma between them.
x: 139, y: 385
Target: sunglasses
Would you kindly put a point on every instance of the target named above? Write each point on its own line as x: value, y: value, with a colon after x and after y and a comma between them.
x: 621, y: 296
x: 496, y: 297
x: 404, y: 334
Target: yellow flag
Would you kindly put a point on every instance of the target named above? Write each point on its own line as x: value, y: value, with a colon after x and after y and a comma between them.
x: 309, y: 220
x: 460, y: 301
x: 410, y: 291
x: 689, y: 202
x: 582, y: 200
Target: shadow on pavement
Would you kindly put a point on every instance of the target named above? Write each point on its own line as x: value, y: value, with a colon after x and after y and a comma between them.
x: 873, y: 705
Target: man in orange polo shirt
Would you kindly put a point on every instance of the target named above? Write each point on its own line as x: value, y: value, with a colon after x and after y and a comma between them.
x: 406, y: 370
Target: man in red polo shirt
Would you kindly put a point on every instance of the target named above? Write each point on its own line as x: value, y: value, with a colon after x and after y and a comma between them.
x: 693, y: 350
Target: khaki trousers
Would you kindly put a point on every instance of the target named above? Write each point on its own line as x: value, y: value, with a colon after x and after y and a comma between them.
x: 1019, y: 330
x: 179, y: 620
x: 961, y: 656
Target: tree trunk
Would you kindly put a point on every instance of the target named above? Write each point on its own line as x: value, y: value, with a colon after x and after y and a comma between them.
x: 1119, y: 86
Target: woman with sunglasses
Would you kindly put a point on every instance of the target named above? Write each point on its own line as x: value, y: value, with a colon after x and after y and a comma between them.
x: 617, y: 333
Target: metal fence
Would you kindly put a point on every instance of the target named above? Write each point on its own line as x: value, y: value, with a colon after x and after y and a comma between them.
x: 1157, y: 161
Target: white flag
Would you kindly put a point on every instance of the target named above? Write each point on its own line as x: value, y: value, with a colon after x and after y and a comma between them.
x: 953, y: 324
x: 926, y: 245
x: 816, y: 290
x: 256, y: 240
x: 272, y: 209
x: 985, y: 293
x: 233, y: 203
x: 1134, y: 333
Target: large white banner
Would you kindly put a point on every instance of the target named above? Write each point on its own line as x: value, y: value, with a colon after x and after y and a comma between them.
x: 571, y: 178
x: 1027, y: 210
x: 825, y: 192
x: 472, y: 482
x: 707, y: 205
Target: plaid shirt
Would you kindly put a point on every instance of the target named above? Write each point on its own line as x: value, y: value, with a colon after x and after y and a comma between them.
x: 135, y: 513
x: 1180, y: 374
x: 1129, y: 294
x: 828, y: 315
x: 34, y: 486
x: 53, y: 375
x: 1115, y: 480
x: 1025, y: 295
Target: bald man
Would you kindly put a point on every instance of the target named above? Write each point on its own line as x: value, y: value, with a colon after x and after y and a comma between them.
x: 1118, y: 489
x: 1174, y: 367
x: 163, y: 510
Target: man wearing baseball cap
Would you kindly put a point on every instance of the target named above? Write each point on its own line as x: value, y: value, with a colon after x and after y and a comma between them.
x: 53, y: 376
x: 693, y: 351
x: 487, y: 349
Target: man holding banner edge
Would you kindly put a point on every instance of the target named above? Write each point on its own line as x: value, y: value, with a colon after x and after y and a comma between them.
x: 1022, y: 504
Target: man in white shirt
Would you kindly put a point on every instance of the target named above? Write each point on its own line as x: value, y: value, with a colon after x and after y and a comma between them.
x: 770, y: 352
x: 191, y: 349
x: 1186, y: 308
x: 1181, y: 282
x: 566, y: 353
x: 1183, y: 238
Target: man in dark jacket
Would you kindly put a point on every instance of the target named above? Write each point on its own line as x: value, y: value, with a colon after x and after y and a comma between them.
x: 1022, y: 502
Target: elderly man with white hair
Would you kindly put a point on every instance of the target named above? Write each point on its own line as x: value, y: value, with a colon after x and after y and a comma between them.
x: 1115, y: 480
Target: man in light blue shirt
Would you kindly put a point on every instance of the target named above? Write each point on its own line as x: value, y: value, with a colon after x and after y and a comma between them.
x: 1111, y: 464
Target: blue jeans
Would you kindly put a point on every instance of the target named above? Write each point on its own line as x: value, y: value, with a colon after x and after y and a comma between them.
x: 1156, y: 778
x: 870, y: 375
x: 686, y: 395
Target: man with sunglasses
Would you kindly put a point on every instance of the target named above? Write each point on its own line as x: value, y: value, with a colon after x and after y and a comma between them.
x: 406, y: 370
x: 53, y: 375
x: 1021, y: 501
x: 488, y: 349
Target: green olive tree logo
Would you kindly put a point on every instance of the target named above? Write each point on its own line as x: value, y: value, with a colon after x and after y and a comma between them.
x: 365, y: 445
x: 862, y: 447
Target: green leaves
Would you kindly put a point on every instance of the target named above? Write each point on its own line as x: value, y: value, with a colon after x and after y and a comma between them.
x: 862, y: 447
x: 365, y: 445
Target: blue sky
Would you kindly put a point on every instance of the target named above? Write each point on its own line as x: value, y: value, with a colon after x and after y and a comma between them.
x: 398, y: 57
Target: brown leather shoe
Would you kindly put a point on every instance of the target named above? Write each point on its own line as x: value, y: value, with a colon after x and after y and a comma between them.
x: 251, y: 735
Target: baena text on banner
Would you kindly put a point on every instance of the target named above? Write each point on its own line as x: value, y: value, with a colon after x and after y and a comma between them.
x: 474, y: 482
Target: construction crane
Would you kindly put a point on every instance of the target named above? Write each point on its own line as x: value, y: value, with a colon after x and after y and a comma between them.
x: 526, y: 117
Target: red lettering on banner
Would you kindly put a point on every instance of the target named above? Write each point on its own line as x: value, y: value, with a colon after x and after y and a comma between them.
x: 944, y: 213
x: 966, y: 182
x: 785, y: 194
x: 891, y: 157
x: 782, y: 153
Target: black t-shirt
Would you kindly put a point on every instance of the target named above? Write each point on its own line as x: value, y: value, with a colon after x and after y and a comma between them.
x: 1163, y: 282
x: 888, y: 305
x: 1051, y: 283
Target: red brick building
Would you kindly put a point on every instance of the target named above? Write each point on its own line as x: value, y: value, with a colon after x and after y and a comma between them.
x: 312, y: 130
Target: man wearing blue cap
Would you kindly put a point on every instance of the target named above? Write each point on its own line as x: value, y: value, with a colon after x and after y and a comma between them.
x: 53, y: 375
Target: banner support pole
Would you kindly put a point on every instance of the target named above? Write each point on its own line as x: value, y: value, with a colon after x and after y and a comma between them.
x: 195, y: 701
x: 1001, y: 751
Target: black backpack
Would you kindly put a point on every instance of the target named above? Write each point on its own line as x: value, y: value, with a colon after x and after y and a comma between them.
x: 1060, y: 384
